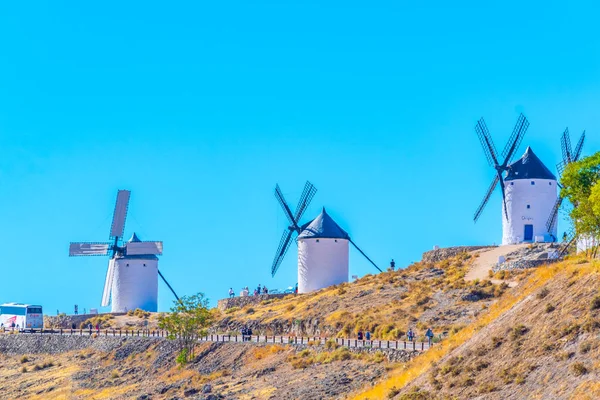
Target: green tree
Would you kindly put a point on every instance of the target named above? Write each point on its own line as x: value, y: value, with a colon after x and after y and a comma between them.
x: 579, y: 187
x: 188, y: 320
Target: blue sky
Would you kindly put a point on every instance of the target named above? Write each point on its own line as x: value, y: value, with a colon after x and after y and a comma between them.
x: 200, y: 109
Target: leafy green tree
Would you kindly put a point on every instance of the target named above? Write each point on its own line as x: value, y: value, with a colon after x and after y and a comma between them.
x: 580, y: 187
x: 188, y: 320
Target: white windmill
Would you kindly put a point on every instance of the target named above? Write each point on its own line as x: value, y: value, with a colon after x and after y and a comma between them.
x: 529, y: 189
x: 322, y: 246
x: 132, y: 275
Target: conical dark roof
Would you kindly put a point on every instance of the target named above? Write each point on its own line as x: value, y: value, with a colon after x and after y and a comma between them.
x: 528, y: 167
x: 134, y: 238
x: 323, y: 227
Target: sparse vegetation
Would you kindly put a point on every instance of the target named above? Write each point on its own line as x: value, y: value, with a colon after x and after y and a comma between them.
x: 579, y: 369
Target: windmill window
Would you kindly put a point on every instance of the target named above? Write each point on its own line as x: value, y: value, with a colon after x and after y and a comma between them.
x: 145, y: 264
x: 550, y: 183
x: 528, y: 207
x: 317, y: 240
x: 532, y: 182
x: 512, y: 184
x: 127, y: 265
x: 336, y: 240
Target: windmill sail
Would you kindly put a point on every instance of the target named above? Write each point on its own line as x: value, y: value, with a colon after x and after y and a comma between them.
x: 120, y: 214
x: 108, y: 283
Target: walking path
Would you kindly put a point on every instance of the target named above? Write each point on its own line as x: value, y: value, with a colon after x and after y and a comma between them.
x: 487, y: 259
x: 289, y: 340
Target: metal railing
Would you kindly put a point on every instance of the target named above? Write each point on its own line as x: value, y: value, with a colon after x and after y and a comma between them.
x: 273, y: 339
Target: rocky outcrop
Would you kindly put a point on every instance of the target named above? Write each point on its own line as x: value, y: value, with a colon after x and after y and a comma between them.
x: 438, y: 255
x: 243, y: 301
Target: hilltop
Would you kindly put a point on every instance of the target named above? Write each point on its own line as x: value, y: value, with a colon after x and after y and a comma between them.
x: 538, y: 338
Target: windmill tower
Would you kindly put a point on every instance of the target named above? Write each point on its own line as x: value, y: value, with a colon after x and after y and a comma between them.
x: 323, y: 251
x: 528, y: 189
x: 132, y: 275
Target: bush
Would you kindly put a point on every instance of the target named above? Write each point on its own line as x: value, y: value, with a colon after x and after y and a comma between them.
x: 114, y: 374
x: 182, y: 357
x: 290, y: 307
x: 579, y: 369
x: 23, y: 370
x: 550, y: 308
x: 250, y: 310
x: 585, y: 347
x: 331, y: 344
x: 595, y: 303
x: 393, y: 392
x: 24, y: 359
x: 543, y: 293
x: 518, y: 331
x: 232, y: 310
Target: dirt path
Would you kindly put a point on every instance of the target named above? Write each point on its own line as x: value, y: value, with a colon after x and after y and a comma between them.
x: 487, y: 259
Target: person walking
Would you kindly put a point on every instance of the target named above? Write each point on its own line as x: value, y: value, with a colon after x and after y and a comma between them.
x: 368, y: 336
x: 392, y: 265
x: 360, y: 335
x: 76, y: 309
x: 410, y: 334
x: 429, y: 335
x: 231, y: 293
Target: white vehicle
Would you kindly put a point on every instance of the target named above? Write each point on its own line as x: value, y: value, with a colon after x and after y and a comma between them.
x: 21, y: 316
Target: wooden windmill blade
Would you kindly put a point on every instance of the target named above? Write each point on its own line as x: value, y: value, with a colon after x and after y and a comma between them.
x: 579, y: 147
x: 89, y: 249
x: 515, y: 139
x: 307, y: 195
x: 120, y: 214
x: 565, y: 147
x: 286, y: 209
x: 487, y: 143
x: 553, y: 214
x: 486, y: 198
x: 284, y: 245
x: 146, y: 247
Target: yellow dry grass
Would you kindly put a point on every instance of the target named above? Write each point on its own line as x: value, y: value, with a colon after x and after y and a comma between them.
x: 410, y: 371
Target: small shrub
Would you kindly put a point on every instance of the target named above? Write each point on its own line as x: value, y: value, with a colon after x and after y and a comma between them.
x: 579, y: 369
x: 518, y: 331
x: 304, y: 353
x: 24, y: 359
x: 379, y: 357
x: 232, y: 310
x: 585, y: 347
x: 37, y: 367
x: 487, y: 388
x: 250, y: 310
x: 550, y: 308
x: 23, y: 370
x: 331, y: 344
x: 468, y: 381
x: 595, y: 303
x: 290, y: 307
x: 543, y: 293
x: 341, y: 291
x: 182, y: 357
x: 393, y: 392
x: 114, y: 374
x: 496, y: 341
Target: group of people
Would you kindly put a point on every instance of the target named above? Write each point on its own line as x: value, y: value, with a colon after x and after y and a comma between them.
x: 410, y: 335
x: 246, y: 334
x: 246, y: 292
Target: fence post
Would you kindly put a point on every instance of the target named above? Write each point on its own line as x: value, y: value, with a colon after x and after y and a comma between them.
x: 414, y: 346
x: 422, y: 346
x: 355, y: 343
x: 61, y: 331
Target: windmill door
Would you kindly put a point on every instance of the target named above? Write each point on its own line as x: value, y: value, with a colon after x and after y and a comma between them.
x: 528, y: 236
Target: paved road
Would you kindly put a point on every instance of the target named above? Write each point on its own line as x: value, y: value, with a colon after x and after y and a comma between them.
x: 291, y: 340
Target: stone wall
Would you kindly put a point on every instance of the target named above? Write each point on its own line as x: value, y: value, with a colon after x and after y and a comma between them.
x: 65, y: 321
x: 438, y: 255
x: 241, y: 302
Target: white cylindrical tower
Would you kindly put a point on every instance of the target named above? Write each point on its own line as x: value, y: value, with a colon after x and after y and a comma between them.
x: 322, y: 254
x: 135, y: 282
x: 530, y: 192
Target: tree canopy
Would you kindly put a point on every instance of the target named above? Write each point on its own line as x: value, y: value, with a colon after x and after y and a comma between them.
x: 188, y: 320
x: 580, y: 187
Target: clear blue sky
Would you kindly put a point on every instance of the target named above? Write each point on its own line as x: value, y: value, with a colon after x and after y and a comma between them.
x: 201, y: 108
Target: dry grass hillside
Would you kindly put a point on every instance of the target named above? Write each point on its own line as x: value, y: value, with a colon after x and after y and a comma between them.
x: 387, y: 304
x: 108, y: 368
x: 541, y: 340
